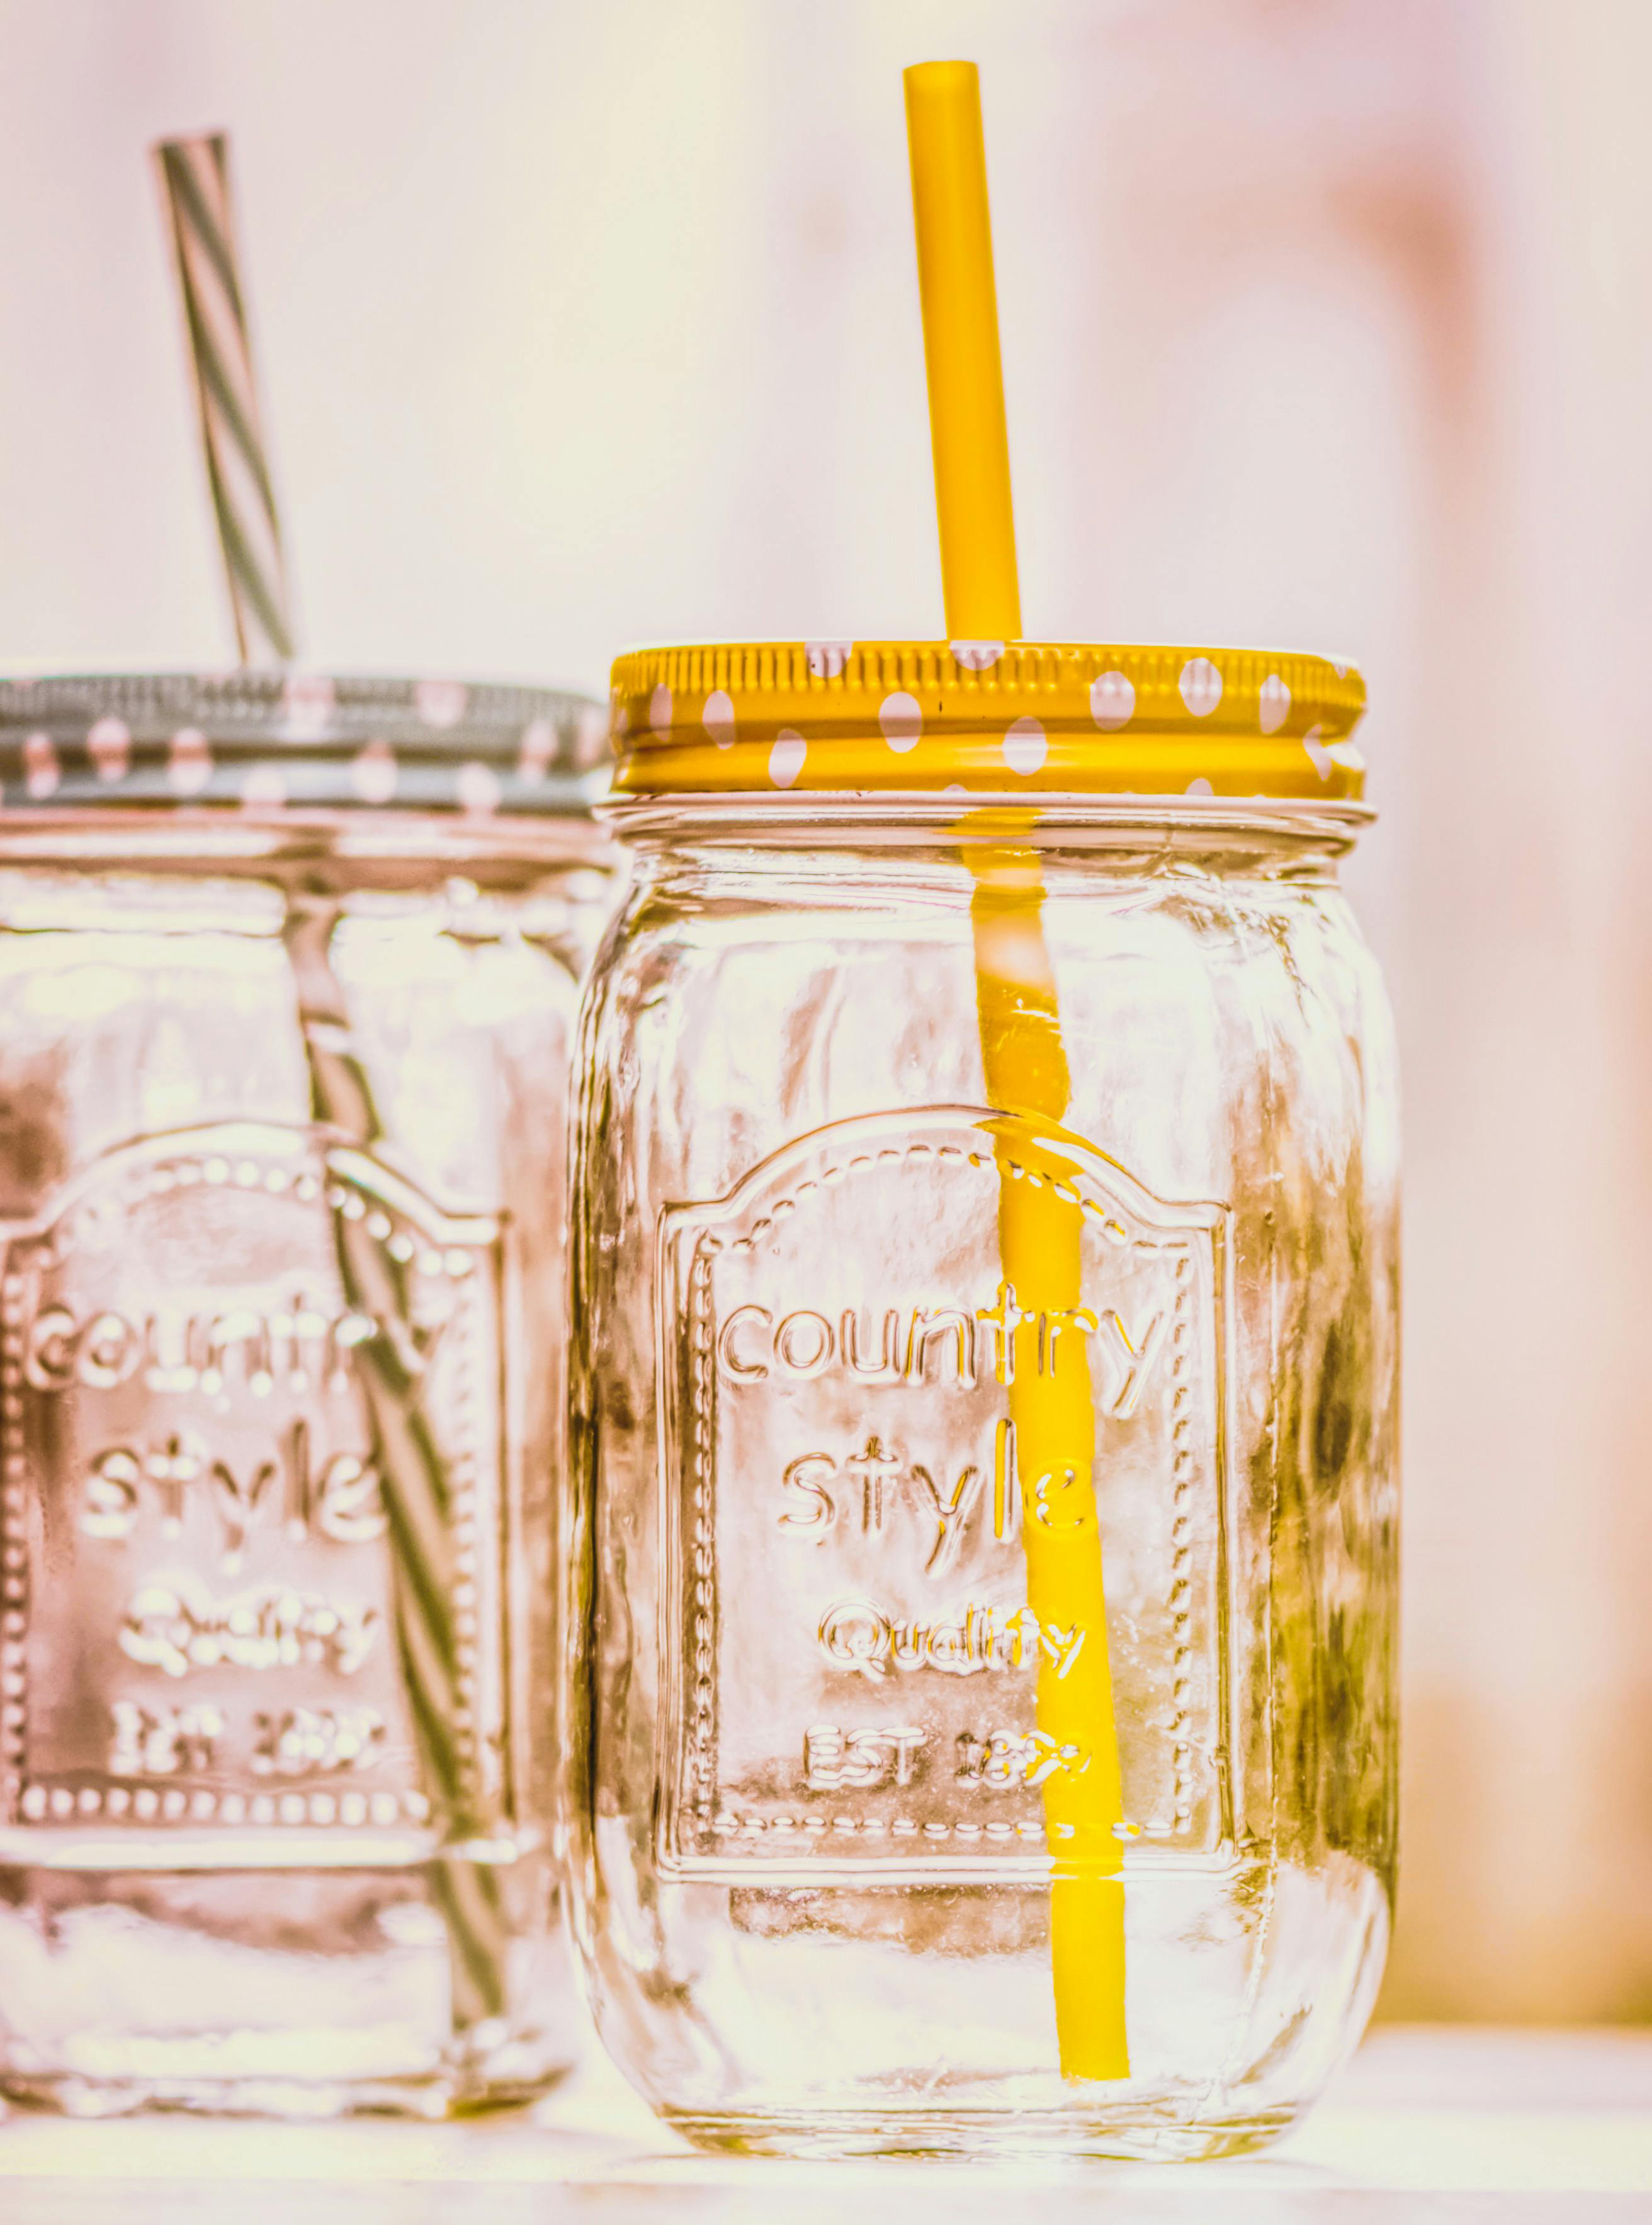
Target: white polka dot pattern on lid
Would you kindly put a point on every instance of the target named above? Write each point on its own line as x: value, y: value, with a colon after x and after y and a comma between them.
x: 786, y: 759
x: 954, y: 788
x: 1112, y: 700
x: 590, y: 723
x: 1348, y: 755
x: 901, y: 718
x: 40, y: 767
x: 264, y: 789
x: 1317, y: 750
x: 373, y: 773
x: 1200, y: 787
x: 1200, y: 686
x: 660, y: 710
x: 306, y: 699
x: 1272, y: 704
x: 110, y: 747
x: 538, y: 748
x: 717, y: 718
x: 1025, y: 747
x: 478, y: 788
x: 1164, y: 713
x: 189, y: 761
x: 441, y: 702
x: 187, y: 739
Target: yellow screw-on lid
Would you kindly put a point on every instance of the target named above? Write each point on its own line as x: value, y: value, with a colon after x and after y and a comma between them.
x: 986, y: 717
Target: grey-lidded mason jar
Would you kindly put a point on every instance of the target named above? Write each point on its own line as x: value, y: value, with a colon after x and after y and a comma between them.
x: 288, y: 967
x: 984, y: 1400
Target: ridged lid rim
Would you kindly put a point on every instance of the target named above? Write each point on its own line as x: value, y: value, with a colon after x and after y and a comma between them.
x: 276, y: 739
x: 1018, y: 716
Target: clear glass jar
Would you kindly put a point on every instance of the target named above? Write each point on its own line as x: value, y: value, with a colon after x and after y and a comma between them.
x: 288, y: 970
x: 933, y: 1789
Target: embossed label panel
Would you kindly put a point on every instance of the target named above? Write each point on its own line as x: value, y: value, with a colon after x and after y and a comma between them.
x: 250, y: 1481
x: 847, y: 1615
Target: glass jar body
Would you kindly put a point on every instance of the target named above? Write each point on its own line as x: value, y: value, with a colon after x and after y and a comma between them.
x: 817, y: 1709
x: 282, y: 1180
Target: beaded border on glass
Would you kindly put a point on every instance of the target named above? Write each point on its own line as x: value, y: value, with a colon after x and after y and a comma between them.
x: 247, y: 1155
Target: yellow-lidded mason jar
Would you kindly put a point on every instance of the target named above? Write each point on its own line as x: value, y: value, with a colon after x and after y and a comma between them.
x: 984, y: 1379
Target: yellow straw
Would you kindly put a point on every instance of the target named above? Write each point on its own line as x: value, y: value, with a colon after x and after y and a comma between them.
x: 960, y: 348
x: 1052, y: 1418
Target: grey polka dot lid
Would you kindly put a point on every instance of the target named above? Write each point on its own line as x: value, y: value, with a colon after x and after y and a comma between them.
x: 286, y: 740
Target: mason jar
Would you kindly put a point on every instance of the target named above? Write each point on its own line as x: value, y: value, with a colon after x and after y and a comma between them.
x: 981, y: 1728
x: 288, y: 970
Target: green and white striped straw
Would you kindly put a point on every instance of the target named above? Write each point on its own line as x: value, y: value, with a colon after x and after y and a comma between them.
x: 412, y: 1470
x: 413, y: 1482
x: 195, y: 185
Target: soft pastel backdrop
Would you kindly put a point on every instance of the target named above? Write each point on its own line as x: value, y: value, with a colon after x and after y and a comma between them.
x: 1327, y: 323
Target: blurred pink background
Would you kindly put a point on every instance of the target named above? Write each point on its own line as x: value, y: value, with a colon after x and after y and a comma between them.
x: 1326, y: 324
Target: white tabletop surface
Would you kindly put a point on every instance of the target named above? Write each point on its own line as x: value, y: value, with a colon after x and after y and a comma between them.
x: 1428, y: 2122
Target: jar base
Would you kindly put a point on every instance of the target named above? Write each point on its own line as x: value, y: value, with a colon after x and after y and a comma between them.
x: 1009, y: 2135
x: 300, y: 1994
x: 293, y: 2101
